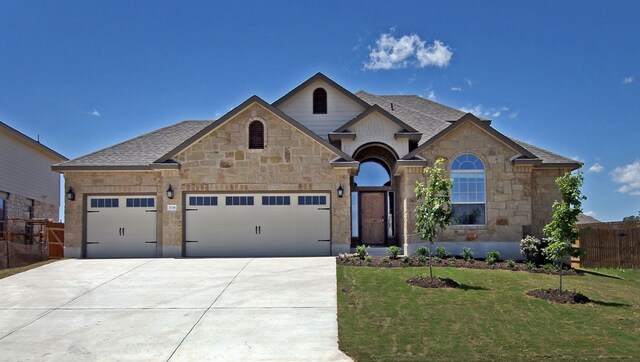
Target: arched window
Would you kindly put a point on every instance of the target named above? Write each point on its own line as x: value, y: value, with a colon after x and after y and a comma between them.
x: 256, y: 135
x: 319, y: 101
x: 468, y: 196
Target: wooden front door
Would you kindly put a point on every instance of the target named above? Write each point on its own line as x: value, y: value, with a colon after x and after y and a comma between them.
x: 373, y: 218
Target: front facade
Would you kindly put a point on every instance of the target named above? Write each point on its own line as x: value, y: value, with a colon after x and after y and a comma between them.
x: 315, y: 173
x: 29, y: 189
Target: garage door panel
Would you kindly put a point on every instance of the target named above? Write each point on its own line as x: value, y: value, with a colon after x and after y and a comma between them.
x: 124, y: 227
x: 266, y: 225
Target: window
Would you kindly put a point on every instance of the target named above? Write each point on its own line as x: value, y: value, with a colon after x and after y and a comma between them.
x: 100, y: 203
x: 312, y: 200
x: 256, y: 135
x: 468, y: 196
x: 239, y: 200
x: 203, y: 201
x: 276, y: 200
x: 140, y: 202
x: 319, y: 101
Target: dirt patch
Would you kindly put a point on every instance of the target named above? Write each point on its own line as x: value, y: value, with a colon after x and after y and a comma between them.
x: 404, y: 262
x: 558, y: 296
x: 433, y: 282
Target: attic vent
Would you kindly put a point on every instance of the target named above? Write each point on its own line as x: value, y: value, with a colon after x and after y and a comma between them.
x: 392, y: 107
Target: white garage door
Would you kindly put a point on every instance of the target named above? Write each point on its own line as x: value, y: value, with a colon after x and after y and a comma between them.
x: 287, y: 224
x: 121, y: 226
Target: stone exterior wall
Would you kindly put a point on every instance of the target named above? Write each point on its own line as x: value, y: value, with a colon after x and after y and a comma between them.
x: 544, y: 193
x: 220, y: 162
x: 17, y: 206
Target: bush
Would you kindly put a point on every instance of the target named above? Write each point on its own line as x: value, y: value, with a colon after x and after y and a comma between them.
x: 422, y: 258
x: 422, y: 251
x: 531, y: 265
x: 493, y: 256
x: 406, y: 260
x: 362, y: 251
x: 385, y: 259
x: 511, y: 263
x: 467, y: 254
x: 532, y: 249
x: 393, y: 251
x: 441, y: 252
x: 452, y: 259
x: 368, y: 258
x: 437, y: 259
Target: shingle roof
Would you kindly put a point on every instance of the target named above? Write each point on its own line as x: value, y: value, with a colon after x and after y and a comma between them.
x: 142, y: 150
x: 431, y: 118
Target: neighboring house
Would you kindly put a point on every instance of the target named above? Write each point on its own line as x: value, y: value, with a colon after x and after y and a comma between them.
x: 29, y: 189
x: 287, y: 178
x: 586, y: 219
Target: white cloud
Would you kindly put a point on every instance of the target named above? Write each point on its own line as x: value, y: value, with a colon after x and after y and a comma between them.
x: 627, y: 80
x: 431, y: 95
x: 479, y: 111
x: 469, y: 82
x: 513, y: 115
x: 456, y: 89
x: 94, y: 113
x: 596, y: 168
x: 629, y: 177
x: 394, y: 53
x: 590, y: 213
x: 437, y: 55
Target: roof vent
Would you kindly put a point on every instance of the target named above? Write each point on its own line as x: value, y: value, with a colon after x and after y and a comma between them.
x: 392, y: 107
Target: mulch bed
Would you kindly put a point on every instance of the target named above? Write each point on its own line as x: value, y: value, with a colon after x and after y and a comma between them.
x: 413, y: 261
x: 557, y: 296
x: 433, y: 282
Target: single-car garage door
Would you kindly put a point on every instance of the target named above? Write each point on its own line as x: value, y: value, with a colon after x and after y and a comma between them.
x: 121, y: 226
x: 283, y: 224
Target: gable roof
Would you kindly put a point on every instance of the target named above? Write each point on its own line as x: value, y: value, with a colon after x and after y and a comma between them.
x: 320, y: 76
x: 468, y: 117
x: 23, y: 137
x: 155, y: 149
x: 376, y: 108
x: 240, y: 108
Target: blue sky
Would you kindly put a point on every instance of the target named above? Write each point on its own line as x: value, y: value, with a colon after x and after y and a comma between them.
x: 562, y: 75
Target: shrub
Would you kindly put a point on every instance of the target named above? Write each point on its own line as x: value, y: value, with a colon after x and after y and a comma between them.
x: 532, y: 249
x: 362, y: 251
x: 393, y: 251
x: 493, y: 256
x: 511, y: 263
x: 422, y: 258
x: 422, y: 251
x: 441, y: 252
x: 406, y: 260
x: 531, y: 265
x: 385, y: 259
x: 368, y: 258
x: 437, y: 259
x: 452, y: 259
x: 467, y: 254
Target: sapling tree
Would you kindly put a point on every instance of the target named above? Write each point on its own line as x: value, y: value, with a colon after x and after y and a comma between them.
x: 433, y: 213
x: 562, y: 228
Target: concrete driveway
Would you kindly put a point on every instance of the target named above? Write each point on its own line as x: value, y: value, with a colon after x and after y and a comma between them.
x: 171, y: 309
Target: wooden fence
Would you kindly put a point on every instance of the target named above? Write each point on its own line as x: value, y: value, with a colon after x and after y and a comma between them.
x: 31, y: 241
x: 610, y: 245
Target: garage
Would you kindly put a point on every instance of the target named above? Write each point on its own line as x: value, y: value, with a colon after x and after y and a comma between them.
x: 257, y: 224
x: 121, y: 226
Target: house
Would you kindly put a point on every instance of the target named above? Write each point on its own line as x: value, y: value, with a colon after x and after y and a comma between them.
x: 294, y: 177
x: 29, y: 189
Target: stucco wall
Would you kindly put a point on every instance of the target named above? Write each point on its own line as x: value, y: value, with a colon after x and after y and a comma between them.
x: 376, y: 128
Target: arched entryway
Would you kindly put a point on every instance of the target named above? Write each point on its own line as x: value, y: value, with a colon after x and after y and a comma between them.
x: 373, y: 201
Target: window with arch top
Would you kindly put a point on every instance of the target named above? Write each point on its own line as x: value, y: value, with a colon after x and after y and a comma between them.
x: 319, y: 101
x: 256, y: 135
x: 468, y: 195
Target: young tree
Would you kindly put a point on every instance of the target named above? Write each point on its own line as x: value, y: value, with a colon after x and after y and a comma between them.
x: 632, y: 218
x: 562, y: 228
x: 433, y: 213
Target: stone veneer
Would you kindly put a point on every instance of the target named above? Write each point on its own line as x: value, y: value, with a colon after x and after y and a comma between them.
x: 518, y: 198
x: 221, y: 162
x: 17, y: 206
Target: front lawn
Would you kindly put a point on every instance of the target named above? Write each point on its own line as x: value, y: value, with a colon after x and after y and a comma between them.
x: 381, y: 317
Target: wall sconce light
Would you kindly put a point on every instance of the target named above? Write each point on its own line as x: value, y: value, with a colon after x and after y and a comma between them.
x: 70, y: 194
x: 170, y: 192
x: 340, y: 191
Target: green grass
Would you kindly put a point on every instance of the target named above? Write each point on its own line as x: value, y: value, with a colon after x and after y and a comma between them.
x: 12, y: 271
x: 382, y: 318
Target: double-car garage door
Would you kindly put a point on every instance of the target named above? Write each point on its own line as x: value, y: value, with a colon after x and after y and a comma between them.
x: 233, y: 225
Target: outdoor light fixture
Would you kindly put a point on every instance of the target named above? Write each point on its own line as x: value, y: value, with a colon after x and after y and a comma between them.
x: 170, y: 192
x: 70, y: 194
x: 340, y: 191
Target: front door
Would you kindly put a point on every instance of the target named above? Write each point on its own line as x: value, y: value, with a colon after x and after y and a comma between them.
x: 373, y: 218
